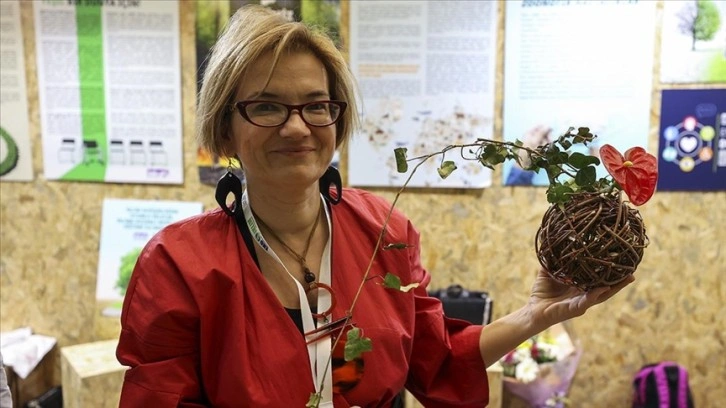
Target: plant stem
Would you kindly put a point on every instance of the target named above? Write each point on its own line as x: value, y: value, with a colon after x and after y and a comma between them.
x: 373, y: 257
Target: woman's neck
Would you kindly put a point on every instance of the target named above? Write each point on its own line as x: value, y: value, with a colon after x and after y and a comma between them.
x: 286, y: 213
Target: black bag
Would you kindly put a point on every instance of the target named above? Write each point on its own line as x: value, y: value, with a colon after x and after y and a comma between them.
x: 662, y: 385
x: 53, y: 398
x: 459, y: 303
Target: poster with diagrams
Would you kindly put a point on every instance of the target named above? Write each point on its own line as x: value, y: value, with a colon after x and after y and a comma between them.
x: 693, y: 41
x: 426, y: 73
x: 15, y: 152
x: 692, y: 140
x: 109, y: 84
x: 126, y: 227
x: 577, y: 64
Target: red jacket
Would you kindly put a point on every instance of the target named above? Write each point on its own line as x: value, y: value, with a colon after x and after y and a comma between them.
x: 201, y: 326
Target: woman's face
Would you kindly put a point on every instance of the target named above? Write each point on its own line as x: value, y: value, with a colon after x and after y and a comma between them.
x: 294, y: 153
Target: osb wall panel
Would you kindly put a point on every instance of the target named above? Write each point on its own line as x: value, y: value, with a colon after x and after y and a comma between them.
x: 49, y: 235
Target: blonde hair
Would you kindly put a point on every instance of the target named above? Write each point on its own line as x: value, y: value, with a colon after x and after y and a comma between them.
x: 252, y: 32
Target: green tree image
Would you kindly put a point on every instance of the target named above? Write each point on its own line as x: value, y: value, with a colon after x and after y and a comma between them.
x: 128, y: 262
x: 324, y: 14
x: 699, y: 19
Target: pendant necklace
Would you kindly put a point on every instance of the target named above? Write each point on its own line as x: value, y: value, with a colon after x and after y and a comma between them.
x: 309, y: 276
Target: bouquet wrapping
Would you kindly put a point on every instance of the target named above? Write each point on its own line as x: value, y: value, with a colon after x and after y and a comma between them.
x: 540, y: 370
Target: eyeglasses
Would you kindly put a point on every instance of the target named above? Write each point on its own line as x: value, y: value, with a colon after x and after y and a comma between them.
x: 272, y: 114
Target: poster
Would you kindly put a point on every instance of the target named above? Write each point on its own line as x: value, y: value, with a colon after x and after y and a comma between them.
x: 109, y: 83
x: 126, y: 227
x: 693, y: 41
x: 15, y: 151
x: 213, y: 15
x: 579, y: 64
x: 426, y: 73
x: 692, y: 140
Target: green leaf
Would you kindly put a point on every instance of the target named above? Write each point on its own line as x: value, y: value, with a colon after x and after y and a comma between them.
x: 586, y: 176
x: 579, y: 160
x: 314, y: 400
x: 492, y: 155
x: 391, y: 281
x: 556, y: 156
x: 356, y: 344
x: 558, y: 194
x: 553, y: 171
x: 401, y: 163
x: 446, y: 169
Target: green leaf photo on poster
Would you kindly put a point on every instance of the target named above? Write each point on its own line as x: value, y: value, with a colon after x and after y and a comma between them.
x: 324, y: 14
x: 128, y: 261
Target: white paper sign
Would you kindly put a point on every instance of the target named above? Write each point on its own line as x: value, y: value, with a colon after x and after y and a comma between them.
x: 578, y: 63
x: 15, y: 153
x: 126, y: 227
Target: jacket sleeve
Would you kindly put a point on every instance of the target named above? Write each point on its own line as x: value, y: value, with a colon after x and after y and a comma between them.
x: 446, y: 368
x: 159, y: 338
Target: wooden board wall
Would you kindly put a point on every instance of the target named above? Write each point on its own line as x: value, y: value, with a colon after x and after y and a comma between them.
x: 49, y: 234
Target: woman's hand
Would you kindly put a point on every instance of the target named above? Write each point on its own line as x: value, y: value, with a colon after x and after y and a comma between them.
x: 552, y: 302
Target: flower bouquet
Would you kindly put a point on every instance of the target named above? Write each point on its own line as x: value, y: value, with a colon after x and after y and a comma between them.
x: 540, y: 370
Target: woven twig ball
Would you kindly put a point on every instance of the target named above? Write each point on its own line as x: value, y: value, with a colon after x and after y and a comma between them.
x: 595, y: 240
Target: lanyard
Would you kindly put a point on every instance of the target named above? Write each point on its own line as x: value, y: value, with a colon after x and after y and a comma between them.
x: 318, y: 352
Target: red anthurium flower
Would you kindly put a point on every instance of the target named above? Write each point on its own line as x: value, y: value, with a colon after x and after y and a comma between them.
x: 637, y: 172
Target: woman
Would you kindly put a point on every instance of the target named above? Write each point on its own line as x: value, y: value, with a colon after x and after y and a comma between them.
x: 222, y: 309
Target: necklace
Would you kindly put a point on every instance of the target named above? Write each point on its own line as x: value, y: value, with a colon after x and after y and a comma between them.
x: 309, y: 276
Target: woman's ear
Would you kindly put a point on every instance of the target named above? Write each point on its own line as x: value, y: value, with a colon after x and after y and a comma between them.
x: 228, y: 143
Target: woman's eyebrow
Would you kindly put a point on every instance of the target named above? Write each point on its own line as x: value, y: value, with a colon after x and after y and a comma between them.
x: 275, y: 96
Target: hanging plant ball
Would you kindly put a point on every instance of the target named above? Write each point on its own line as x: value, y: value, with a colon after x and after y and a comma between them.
x: 594, y: 240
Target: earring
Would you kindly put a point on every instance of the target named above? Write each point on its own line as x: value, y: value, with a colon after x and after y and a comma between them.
x: 229, y: 183
x: 331, y: 178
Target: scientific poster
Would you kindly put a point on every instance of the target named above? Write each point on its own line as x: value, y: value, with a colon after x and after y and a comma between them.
x: 109, y: 82
x: 15, y: 153
x: 212, y: 16
x: 577, y: 63
x: 693, y: 41
x: 426, y: 73
x: 126, y: 227
x: 692, y: 140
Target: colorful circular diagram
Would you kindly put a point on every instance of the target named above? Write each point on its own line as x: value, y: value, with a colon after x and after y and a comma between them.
x: 688, y: 144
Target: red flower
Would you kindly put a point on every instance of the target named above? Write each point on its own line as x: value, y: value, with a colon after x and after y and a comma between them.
x: 534, y: 351
x: 637, y: 172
